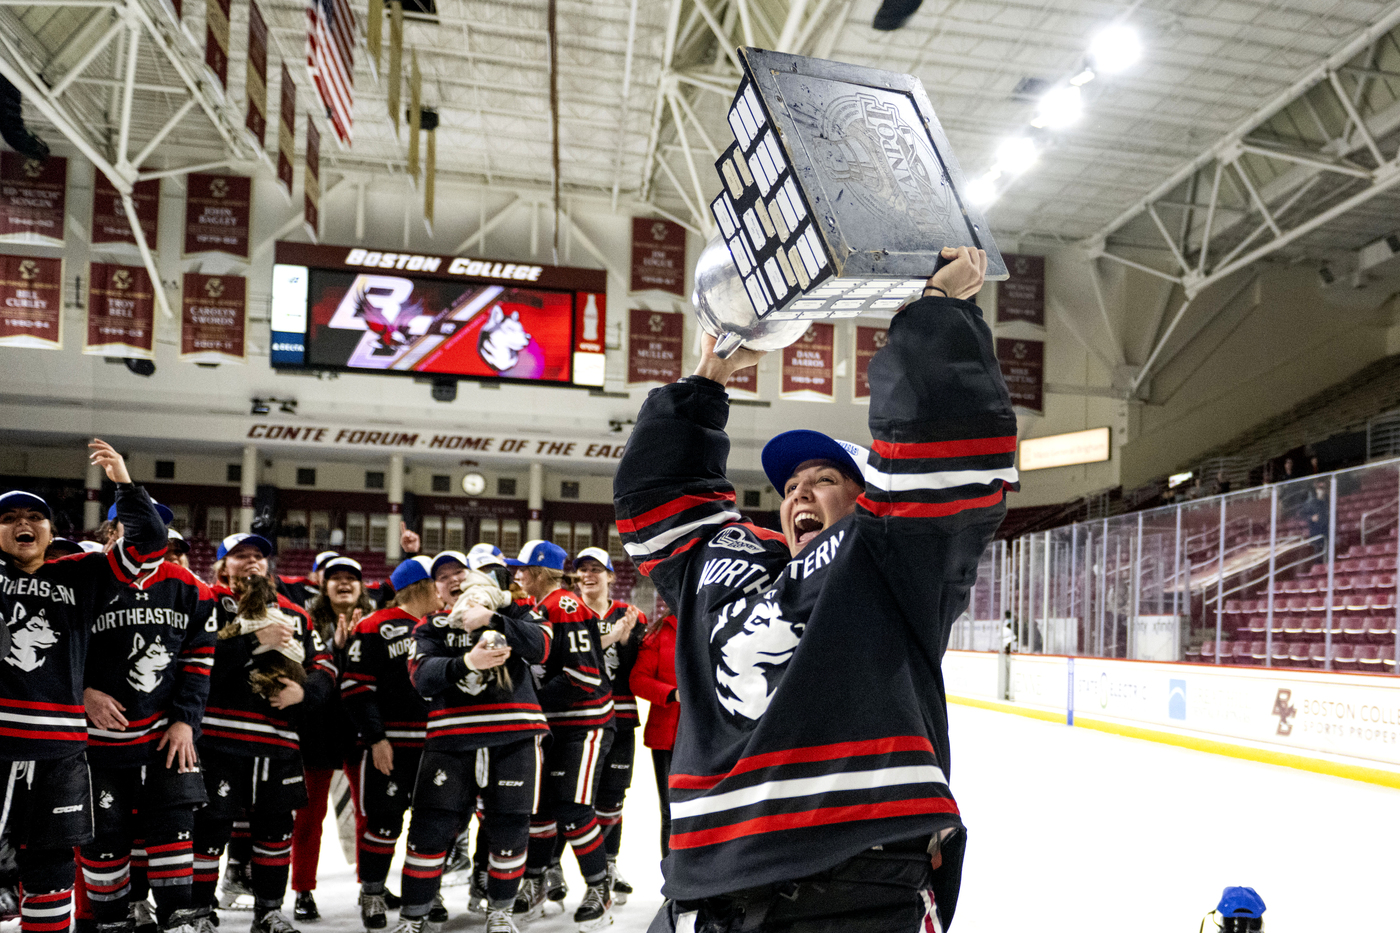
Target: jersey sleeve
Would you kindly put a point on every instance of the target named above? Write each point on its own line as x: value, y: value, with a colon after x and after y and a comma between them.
x: 434, y: 666
x: 528, y: 633
x: 365, y: 660
x: 577, y: 669
x: 141, y: 548
x: 321, y: 671
x: 670, y: 491
x: 196, y: 660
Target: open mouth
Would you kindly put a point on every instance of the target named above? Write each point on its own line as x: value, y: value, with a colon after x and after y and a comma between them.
x: 807, y: 526
x: 25, y: 537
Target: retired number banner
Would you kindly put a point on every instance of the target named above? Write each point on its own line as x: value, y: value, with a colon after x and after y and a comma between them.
x: 1023, y: 368
x: 658, y: 256
x: 109, y: 223
x: 287, y: 131
x: 256, y: 82
x: 311, y: 182
x: 121, y: 312
x: 218, y: 214
x: 212, y: 316
x: 809, y: 366
x: 1022, y: 297
x: 654, y: 346
x: 32, y: 199
x: 869, y: 341
x: 216, y: 38
x: 744, y: 383
x: 31, y: 302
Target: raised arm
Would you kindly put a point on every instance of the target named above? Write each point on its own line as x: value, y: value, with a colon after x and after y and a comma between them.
x: 142, y: 545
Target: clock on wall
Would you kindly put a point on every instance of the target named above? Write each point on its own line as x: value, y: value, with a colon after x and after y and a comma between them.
x: 473, y: 484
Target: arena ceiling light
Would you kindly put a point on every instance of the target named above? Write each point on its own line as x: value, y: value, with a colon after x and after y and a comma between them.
x: 1059, y: 108
x: 259, y: 407
x: 1017, y: 154
x: 982, y: 191
x: 1115, y: 49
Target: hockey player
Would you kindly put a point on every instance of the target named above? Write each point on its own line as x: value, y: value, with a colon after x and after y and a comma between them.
x: 301, y: 590
x: 150, y: 657
x: 484, y: 734
x: 47, y: 609
x: 577, y: 699
x: 391, y: 718
x: 249, y: 750
x: 621, y: 627
x: 809, y: 783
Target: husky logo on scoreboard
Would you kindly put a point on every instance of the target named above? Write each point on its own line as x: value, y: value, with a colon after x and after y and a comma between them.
x: 751, y: 650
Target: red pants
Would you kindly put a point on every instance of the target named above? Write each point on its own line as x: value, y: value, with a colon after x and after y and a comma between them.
x: 306, y: 830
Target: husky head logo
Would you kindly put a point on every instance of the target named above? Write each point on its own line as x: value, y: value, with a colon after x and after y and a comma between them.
x: 106, y: 800
x: 473, y: 683
x: 611, y: 662
x: 440, y: 778
x: 750, y: 656
x: 502, y: 339
x: 150, y: 659
x: 224, y: 789
x: 29, y: 635
x: 391, y: 789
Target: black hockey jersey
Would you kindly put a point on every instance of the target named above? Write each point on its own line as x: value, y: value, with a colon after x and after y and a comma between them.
x: 573, y: 685
x: 48, y: 613
x: 239, y: 722
x: 376, y: 689
x: 299, y: 590
x: 618, y: 660
x: 152, y: 649
x: 468, y: 709
x: 813, y: 722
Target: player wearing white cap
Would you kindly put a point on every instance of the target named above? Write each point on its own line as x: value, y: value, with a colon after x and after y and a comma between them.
x: 47, y: 609
x: 301, y: 590
x: 391, y: 718
x: 809, y: 785
x: 621, y: 626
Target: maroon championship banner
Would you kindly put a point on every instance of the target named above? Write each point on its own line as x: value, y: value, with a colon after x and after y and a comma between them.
x: 654, y: 346
x: 658, y: 256
x: 32, y: 199
x: 869, y: 341
x: 311, y: 182
x: 1022, y: 297
x: 287, y: 131
x: 121, y: 311
x: 809, y: 366
x: 109, y: 223
x: 218, y: 214
x: 212, y: 315
x: 31, y: 302
x: 256, y: 82
x: 744, y: 383
x: 1023, y: 368
x: 216, y: 38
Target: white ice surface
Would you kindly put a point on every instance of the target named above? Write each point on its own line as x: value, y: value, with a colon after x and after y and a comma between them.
x: 1070, y: 830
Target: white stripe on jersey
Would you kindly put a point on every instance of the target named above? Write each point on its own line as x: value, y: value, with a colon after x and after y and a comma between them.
x: 651, y: 545
x: 803, y: 787
x: 948, y: 479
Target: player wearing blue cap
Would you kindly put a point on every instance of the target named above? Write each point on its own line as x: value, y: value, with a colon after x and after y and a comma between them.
x: 302, y: 589
x: 577, y: 698
x: 391, y: 718
x: 809, y: 785
x: 47, y: 609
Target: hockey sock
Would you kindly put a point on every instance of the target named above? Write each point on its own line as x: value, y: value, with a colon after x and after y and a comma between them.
x: 610, y: 819
x: 430, y: 836
x: 272, y: 858
x: 46, y: 877
x: 376, y: 847
x: 240, y: 845
x: 579, y: 825
x: 140, y: 883
x: 544, y: 834
x: 560, y: 844
x: 106, y: 865
x: 211, y: 837
x: 170, y: 860
x: 509, y: 838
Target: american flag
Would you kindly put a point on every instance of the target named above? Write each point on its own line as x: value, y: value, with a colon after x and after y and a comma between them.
x: 330, y: 58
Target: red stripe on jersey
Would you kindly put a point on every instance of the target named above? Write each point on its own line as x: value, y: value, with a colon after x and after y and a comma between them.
x: 822, y: 816
x: 973, y: 447
x: 791, y: 756
x: 33, y: 704
x: 767, y: 534
x: 647, y: 566
x: 40, y: 733
x: 674, y: 507
x: 928, y: 509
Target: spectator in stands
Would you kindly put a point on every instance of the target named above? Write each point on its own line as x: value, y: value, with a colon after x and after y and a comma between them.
x: 1222, y: 483
x: 1317, y: 513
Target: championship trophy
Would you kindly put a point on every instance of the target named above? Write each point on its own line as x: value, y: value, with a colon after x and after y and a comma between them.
x: 839, y: 192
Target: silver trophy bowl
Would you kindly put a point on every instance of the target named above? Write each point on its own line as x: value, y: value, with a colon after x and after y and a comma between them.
x: 725, y: 312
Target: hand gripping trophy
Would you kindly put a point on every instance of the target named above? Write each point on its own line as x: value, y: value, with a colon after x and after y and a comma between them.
x: 839, y: 192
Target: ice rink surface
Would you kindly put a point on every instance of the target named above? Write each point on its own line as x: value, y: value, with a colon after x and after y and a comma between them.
x: 1071, y: 830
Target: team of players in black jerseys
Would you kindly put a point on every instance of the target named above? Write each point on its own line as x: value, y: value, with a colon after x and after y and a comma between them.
x: 151, y: 719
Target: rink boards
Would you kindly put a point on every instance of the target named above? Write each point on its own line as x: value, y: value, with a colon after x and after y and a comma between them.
x: 1345, y: 724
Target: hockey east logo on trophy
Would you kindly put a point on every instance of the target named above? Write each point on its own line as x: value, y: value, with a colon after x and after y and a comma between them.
x: 1285, y: 711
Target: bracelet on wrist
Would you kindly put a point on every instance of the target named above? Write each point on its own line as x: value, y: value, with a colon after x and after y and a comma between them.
x: 935, y: 288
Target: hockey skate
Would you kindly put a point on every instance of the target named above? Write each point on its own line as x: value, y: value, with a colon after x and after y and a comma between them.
x: 437, y: 916
x: 187, y: 920
x: 142, y: 917
x: 273, y: 921
x: 556, y: 889
x: 530, y: 901
x: 458, y: 869
x: 236, y: 889
x: 595, y: 912
x: 621, y: 887
x: 477, y: 902
x: 374, y: 912
x: 498, y: 920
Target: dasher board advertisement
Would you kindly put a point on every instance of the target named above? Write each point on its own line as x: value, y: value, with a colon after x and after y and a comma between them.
x: 355, y: 310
